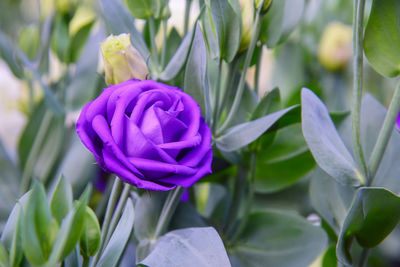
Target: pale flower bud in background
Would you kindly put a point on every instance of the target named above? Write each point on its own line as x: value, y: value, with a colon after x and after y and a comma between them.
x: 247, y: 23
x: 122, y: 61
x: 65, y: 6
x: 29, y: 39
x: 335, y: 46
x: 267, y: 4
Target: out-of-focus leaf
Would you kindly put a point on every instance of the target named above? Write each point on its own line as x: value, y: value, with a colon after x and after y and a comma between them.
x: 186, y: 216
x: 3, y: 256
x: 245, y: 133
x: 179, y: 59
x: 91, y: 236
x: 119, y: 238
x: 382, y: 37
x: 143, y: 9
x: 8, y: 53
x: 225, y: 20
x: 269, y: 103
x: 374, y: 214
x: 61, y: 201
x: 280, y: 20
x: 181, y: 248
x: 329, y: 258
x: 60, y: 37
x: 284, y: 162
x: 325, y: 143
x: 118, y: 20
x: 278, y: 239
x: 39, y: 229
x: 78, y: 41
x: 195, y: 72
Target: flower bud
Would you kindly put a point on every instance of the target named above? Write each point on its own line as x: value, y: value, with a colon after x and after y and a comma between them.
x: 247, y: 23
x: 335, y: 46
x: 267, y: 4
x: 29, y: 39
x: 65, y: 6
x: 121, y: 60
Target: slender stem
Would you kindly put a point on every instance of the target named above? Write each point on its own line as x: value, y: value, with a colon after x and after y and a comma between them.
x: 246, y: 64
x: 240, y: 183
x: 168, y: 210
x: 164, y: 47
x: 106, y: 223
x: 118, y: 211
x: 358, y: 28
x: 364, y: 257
x: 229, y: 80
x: 252, y: 177
x: 154, y: 51
x: 257, y: 73
x: 187, y: 13
x: 85, y: 262
x: 33, y: 153
x: 216, y: 97
x: 384, y: 134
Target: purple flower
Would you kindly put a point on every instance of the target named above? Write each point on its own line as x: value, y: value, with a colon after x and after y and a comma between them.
x: 149, y: 134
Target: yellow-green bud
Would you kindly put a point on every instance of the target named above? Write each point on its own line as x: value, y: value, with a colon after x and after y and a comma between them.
x: 267, y: 4
x: 29, y: 40
x: 65, y: 6
x: 335, y: 46
x: 247, y: 23
x: 82, y: 17
x: 121, y: 60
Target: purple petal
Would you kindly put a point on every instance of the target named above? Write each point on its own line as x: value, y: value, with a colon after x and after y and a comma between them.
x: 398, y: 122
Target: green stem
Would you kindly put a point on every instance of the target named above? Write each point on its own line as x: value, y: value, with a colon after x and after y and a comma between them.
x: 33, y: 153
x: 106, y: 223
x: 118, y: 211
x: 187, y: 13
x: 164, y: 47
x: 358, y: 28
x: 246, y: 64
x: 364, y: 257
x: 229, y: 80
x: 252, y: 177
x: 168, y: 210
x: 154, y: 51
x: 384, y: 134
x: 216, y: 97
x: 257, y: 73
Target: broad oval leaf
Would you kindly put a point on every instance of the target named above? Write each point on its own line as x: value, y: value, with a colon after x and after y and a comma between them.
x: 382, y: 37
x: 374, y: 214
x: 91, y: 236
x: 278, y: 239
x: 119, y: 238
x: 325, y: 143
x: 61, y: 200
x: 181, y: 248
x: 245, y: 133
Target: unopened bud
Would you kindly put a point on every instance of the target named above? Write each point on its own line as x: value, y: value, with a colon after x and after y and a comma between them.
x: 335, y: 46
x: 122, y: 61
x: 29, y: 39
x: 267, y: 4
x: 247, y: 9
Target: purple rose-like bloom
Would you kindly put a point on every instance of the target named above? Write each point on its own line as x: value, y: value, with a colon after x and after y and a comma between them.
x: 398, y: 122
x: 149, y: 134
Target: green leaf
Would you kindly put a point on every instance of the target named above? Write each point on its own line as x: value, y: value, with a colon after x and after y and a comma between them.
x: 282, y: 17
x: 69, y: 234
x: 325, y: 143
x: 61, y: 201
x: 119, y: 238
x: 8, y: 53
x: 3, y: 256
x: 278, y: 239
x: 143, y: 9
x: 181, y: 248
x: 179, y: 59
x: 329, y: 258
x: 91, y: 236
x: 77, y: 42
x: 195, y: 72
x: 382, y: 37
x: 118, y: 20
x: 284, y: 162
x: 38, y: 228
x: 60, y: 37
x: 243, y: 134
x: 269, y: 103
x: 374, y: 214
x: 225, y: 18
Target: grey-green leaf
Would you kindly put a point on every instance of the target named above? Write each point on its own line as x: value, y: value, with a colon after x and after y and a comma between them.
x: 325, y: 144
x: 245, y: 133
x: 278, y: 239
x: 120, y: 237
x: 374, y: 214
x: 382, y: 37
x: 184, y: 247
